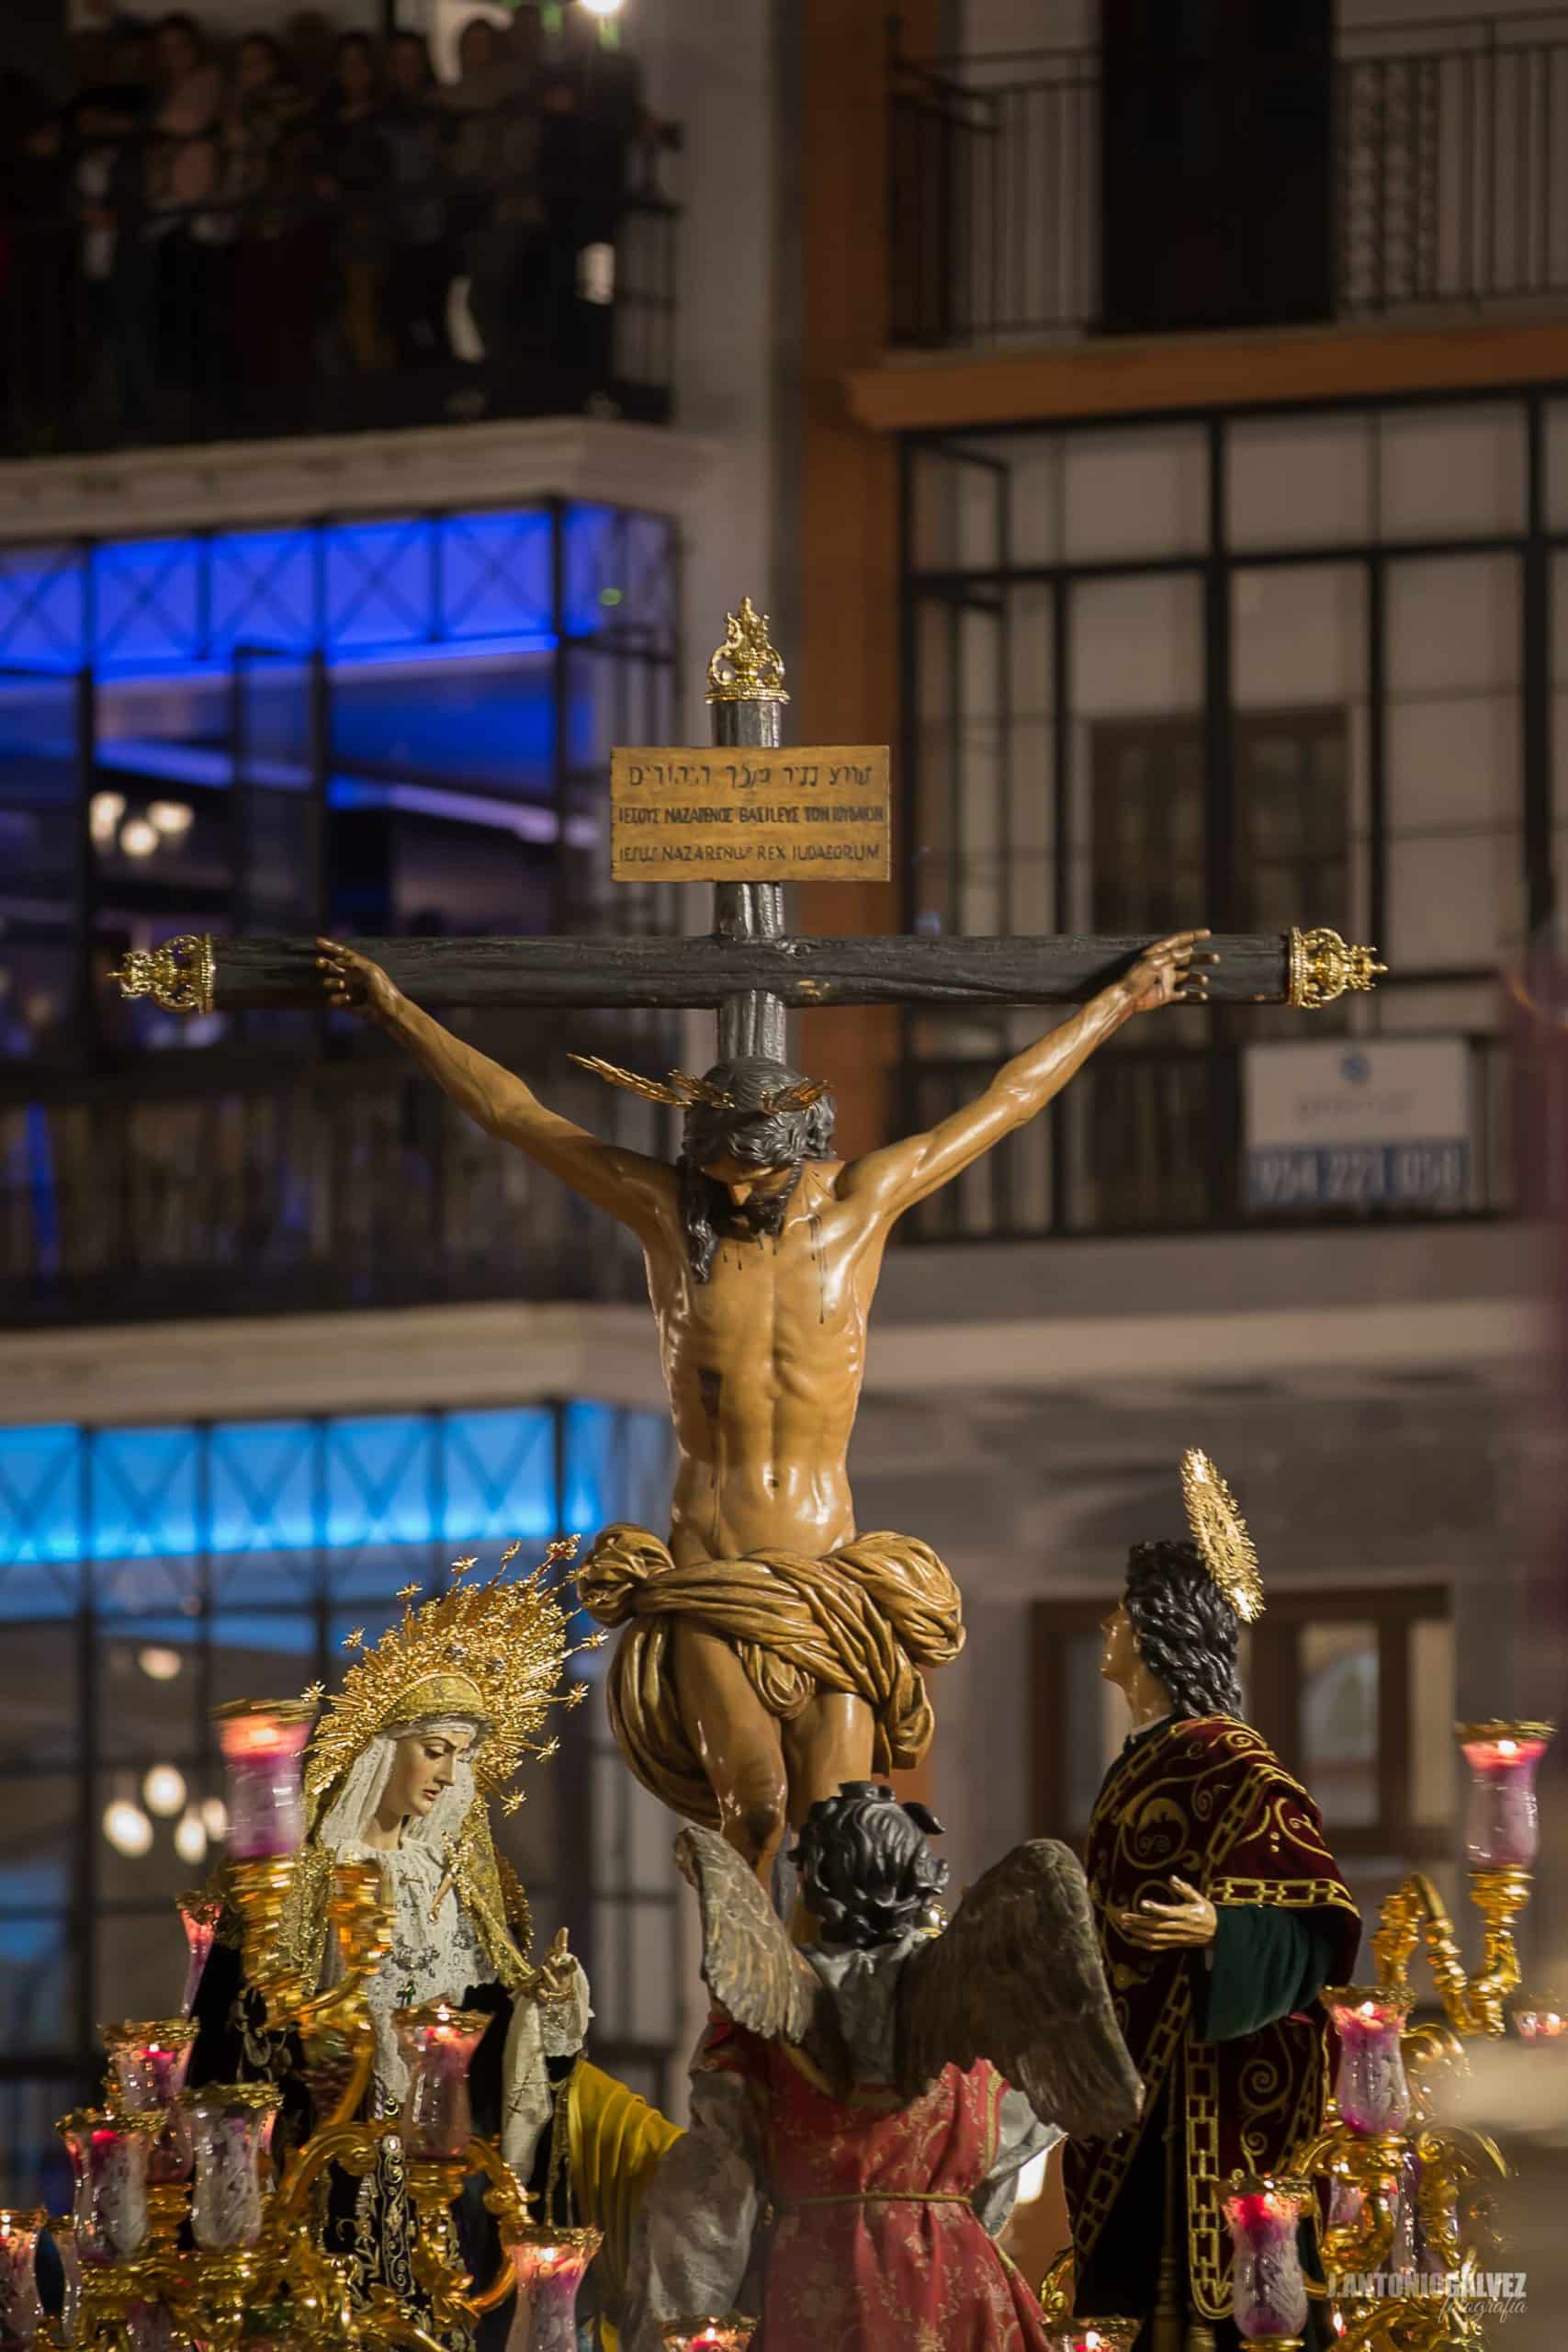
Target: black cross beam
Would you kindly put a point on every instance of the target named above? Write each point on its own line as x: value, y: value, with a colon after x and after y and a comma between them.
x: 749, y: 969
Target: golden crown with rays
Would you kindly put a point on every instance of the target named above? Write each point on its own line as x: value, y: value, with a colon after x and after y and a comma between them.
x: 493, y: 1650
x: 1220, y: 1533
x: 680, y: 1090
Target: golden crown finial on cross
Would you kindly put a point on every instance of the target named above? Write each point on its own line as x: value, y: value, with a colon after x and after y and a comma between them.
x: 747, y: 666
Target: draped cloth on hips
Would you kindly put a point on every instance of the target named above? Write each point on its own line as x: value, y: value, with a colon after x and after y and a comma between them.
x: 863, y: 1619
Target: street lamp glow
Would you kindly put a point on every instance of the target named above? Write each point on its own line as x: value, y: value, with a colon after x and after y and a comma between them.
x: 190, y: 1837
x: 159, y: 1664
x: 104, y: 812
x: 137, y: 837
x: 171, y: 816
x: 127, y: 1828
x: 163, y: 1790
x: 604, y: 7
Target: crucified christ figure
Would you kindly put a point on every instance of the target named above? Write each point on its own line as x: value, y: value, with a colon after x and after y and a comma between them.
x: 771, y: 1651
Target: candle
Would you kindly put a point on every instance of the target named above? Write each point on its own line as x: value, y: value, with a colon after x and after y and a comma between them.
x: 21, y: 2313
x: 1538, y: 2019
x: 108, y: 2155
x: 731, y: 2333
x: 1504, y: 1827
x: 264, y: 1747
x: 1268, y: 2293
x: 200, y: 1914
x: 437, y: 2043
x: 150, y: 2063
x: 548, y: 2265
x: 230, y: 2125
x: 1370, y: 2087
x: 1095, y: 2336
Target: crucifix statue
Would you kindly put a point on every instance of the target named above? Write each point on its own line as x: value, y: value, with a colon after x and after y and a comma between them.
x: 771, y: 1650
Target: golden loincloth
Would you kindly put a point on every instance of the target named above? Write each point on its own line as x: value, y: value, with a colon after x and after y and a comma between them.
x: 864, y: 1620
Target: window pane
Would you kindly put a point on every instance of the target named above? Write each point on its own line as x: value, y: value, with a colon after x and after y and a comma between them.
x: 1434, y: 1757
x: 1339, y: 1721
x: 1299, y: 480
x: 40, y: 1716
x: 1444, y: 471
x: 34, y: 2167
x: 1093, y: 1728
x: 1136, y: 492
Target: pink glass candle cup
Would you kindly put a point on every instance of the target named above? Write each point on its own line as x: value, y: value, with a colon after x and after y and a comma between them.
x: 263, y: 1748
x: 230, y: 2128
x: 1268, y: 2296
x: 109, y: 2155
x: 150, y: 2063
x: 1503, y: 1824
x: 21, y: 2313
x: 1370, y: 2088
x: 549, y: 2266
x: 437, y: 2043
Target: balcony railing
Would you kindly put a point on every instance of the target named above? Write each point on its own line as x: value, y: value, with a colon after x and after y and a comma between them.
x: 196, y: 1185
x: 1151, y: 1140
x: 174, y: 309
x: 1450, y: 172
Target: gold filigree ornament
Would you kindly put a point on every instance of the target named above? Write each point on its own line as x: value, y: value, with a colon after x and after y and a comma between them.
x: 1220, y: 1533
x: 1322, y: 968
x: 745, y: 667
x: 179, y: 976
x: 493, y: 1651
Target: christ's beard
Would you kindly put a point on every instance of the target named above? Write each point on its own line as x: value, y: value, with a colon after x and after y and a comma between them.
x: 760, y: 1215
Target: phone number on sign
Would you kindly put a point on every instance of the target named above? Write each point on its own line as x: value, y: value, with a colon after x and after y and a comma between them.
x: 1358, y: 1175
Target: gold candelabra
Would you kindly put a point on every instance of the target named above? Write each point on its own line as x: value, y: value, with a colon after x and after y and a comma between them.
x: 234, y: 2240
x: 1409, y: 2196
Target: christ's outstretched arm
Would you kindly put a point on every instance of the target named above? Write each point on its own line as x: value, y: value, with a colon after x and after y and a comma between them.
x: 629, y: 1185
x: 890, y: 1180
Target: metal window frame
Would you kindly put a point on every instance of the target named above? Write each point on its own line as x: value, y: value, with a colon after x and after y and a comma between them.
x: 1215, y: 565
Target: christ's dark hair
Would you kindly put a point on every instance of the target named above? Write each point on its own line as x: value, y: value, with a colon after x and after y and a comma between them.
x: 752, y: 1133
x: 866, y: 1871
x: 1185, y: 1629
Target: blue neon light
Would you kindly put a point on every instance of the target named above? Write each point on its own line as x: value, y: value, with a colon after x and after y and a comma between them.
x: 270, y: 1489
x: 145, y: 606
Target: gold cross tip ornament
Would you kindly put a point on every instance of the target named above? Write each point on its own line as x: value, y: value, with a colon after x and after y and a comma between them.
x: 179, y: 976
x: 747, y: 666
x: 1323, y: 969
x: 1221, y: 1534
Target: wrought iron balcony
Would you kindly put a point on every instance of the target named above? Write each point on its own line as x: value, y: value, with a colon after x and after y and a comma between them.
x: 1448, y: 176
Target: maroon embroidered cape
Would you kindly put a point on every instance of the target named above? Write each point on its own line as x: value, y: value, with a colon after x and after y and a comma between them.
x: 1207, y: 1801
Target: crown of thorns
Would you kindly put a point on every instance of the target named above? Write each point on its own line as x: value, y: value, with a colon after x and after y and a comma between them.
x: 681, y: 1090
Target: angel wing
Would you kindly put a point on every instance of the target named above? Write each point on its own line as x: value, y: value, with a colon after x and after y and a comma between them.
x: 1017, y: 1978
x: 748, y: 1963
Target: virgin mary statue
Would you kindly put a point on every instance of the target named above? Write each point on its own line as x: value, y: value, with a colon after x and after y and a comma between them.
x: 428, y: 1726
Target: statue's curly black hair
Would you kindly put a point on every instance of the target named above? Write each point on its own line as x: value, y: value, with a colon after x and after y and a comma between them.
x: 1185, y: 1629
x: 866, y: 1871
x: 762, y: 1138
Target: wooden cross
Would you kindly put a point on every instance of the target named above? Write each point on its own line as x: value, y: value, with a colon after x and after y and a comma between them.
x: 747, y: 968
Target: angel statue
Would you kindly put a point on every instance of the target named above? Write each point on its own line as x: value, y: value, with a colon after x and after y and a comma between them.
x: 861, y: 2107
x: 1222, y: 1914
x: 428, y: 1726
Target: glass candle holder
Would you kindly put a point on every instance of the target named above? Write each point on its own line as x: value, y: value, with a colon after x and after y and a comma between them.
x: 548, y: 2265
x: 1370, y: 2088
x: 63, y: 2232
x: 231, y: 2126
x: 21, y: 2313
x: 1268, y: 2296
x: 1503, y: 1825
x: 1540, y: 2018
x: 200, y: 1914
x: 150, y: 2063
x: 437, y: 2043
x: 1095, y: 2336
x: 263, y: 1748
x: 733, y: 2332
x: 108, y: 2155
